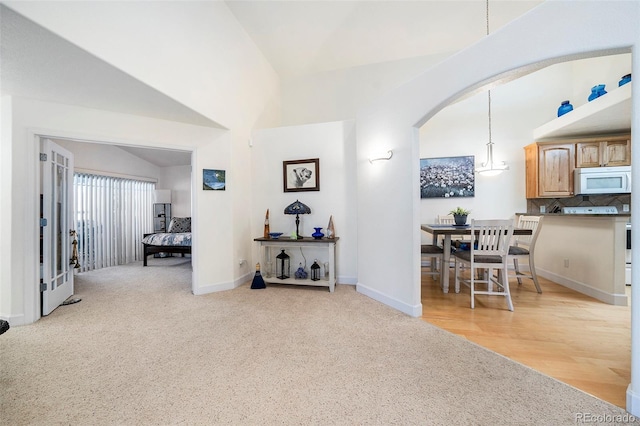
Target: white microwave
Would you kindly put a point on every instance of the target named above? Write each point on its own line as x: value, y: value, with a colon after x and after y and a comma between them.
x: 602, y: 180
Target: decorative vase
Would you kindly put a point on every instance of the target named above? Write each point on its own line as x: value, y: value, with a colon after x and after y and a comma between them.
x: 331, y: 232
x: 624, y: 80
x: 597, y: 91
x: 601, y: 90
x: 318, y: 234
x: 564, y: 108
x: 460, y: 219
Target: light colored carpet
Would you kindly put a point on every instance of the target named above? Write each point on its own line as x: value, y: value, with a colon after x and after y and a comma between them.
x: 141, y: 349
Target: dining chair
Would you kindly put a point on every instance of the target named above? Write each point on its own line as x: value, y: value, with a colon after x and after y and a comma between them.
x: 435, y: 255
x: 522, y: 247
x: 487, y: 254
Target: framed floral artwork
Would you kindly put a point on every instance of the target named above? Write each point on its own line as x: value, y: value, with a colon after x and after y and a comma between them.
x: 446, y: 177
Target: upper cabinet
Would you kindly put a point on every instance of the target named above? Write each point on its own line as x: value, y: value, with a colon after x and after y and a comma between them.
x: 600, y: 152
x: 549, y: 165
x: 549, y: 169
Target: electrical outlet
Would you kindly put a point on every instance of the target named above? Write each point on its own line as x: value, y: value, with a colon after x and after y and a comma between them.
x: 566, y: 263
x: 625, y: 207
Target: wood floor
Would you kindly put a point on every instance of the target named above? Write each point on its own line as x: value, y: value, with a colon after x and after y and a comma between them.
x: 564, y: 334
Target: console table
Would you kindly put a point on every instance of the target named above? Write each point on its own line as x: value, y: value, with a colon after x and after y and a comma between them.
x: 286, y: 243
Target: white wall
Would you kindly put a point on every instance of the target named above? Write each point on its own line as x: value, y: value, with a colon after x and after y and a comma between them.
x: 109, y: 159
x: 178, y: 180
x: 334, y: 144
x: 337, y: 95
x: 194, y: 52
x: 20, y: 169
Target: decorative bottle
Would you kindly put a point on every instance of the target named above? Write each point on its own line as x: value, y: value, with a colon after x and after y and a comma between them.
x: 258, y: 281
x: 266, y: 225
x: 331, y: 232
x: 564, y: 108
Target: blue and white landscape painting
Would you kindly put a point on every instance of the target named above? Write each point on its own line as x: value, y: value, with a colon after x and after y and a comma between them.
x: 447, y: 177
x: 213, y: 180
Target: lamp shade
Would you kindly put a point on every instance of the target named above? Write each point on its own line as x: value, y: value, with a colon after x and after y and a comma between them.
x: 163, y: 196
x: 297, y: 208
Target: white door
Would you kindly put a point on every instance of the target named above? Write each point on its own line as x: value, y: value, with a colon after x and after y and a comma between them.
x: 57, y: 212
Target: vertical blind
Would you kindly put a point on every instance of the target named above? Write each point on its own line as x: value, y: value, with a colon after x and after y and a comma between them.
x: 112, y: 214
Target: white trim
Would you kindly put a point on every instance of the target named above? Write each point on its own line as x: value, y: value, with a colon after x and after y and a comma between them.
x: 610, y: 298
x: 633, y: 402
x: 115, y: 175
x: 14, y: 320
x: 414, y: 311
x: 230, y: 285
x: 347, y: 280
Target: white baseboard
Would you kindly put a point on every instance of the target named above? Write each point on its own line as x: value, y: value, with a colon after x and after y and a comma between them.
x: 347, y: 280
x: 633, y: 403
x: 14, y: 320
x: 414, y: 311
x: 610, y: 298
x: 212, y: 288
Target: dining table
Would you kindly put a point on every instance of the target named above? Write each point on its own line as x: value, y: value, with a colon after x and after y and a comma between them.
x: 446, y: 231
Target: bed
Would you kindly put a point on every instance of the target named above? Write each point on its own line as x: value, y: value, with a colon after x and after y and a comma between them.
x: 177, y: 239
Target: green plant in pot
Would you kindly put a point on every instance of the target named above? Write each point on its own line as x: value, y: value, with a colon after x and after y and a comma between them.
x: 460, y: 215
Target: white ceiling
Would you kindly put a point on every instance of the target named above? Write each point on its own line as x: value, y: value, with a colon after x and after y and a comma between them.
x: 302, y: 37
x: 296, y: 37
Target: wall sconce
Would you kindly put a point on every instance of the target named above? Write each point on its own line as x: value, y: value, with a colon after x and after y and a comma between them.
x: 380, y: 157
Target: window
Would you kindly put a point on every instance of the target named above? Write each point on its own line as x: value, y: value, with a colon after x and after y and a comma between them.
x: 112, y: 214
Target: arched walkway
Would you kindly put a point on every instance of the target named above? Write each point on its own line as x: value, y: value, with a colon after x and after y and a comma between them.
x: 553, y: 32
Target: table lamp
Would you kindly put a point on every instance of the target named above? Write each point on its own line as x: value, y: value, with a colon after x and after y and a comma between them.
x: 297, y: 208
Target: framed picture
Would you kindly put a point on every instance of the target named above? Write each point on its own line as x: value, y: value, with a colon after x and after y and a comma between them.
x: 446, y: 177
x: 213, y: 180
x: 301, y: 175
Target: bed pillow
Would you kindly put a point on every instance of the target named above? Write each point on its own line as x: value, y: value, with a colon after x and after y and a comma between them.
x: 180, y: 224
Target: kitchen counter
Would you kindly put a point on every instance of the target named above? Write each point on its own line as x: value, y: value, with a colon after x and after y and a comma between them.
x: 625, y: 214
x: 585, y: 253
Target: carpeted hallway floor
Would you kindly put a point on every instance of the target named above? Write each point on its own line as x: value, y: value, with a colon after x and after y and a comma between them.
x: 140, y: 349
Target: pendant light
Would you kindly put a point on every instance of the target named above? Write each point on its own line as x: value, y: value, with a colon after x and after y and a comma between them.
x: 490, y: 167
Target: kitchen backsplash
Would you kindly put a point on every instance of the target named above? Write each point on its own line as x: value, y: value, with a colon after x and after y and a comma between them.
x: 617, y: 200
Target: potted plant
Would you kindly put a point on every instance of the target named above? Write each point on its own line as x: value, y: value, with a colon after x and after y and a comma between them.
x: 460, y: 215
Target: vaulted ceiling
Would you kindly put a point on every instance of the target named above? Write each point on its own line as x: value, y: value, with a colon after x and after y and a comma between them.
x: 296, y: 37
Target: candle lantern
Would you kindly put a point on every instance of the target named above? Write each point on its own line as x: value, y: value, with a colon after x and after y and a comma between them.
x: 283, y: 266
x: 315, y: 271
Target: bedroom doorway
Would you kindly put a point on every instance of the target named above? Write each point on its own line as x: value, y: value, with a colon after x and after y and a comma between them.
x: 56, y: 225
x: 167, y: 168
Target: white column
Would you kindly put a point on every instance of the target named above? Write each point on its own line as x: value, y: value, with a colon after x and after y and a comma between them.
x: 633, y: 391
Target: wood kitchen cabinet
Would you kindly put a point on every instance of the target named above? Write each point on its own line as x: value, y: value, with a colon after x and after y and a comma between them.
x: 600, y: 152
x: 549, y: 169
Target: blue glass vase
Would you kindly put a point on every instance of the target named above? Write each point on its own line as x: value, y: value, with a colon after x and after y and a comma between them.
x: 624, y: 80
x: 318, y: 234
x: 564, y: 108
x: 597, y: 91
